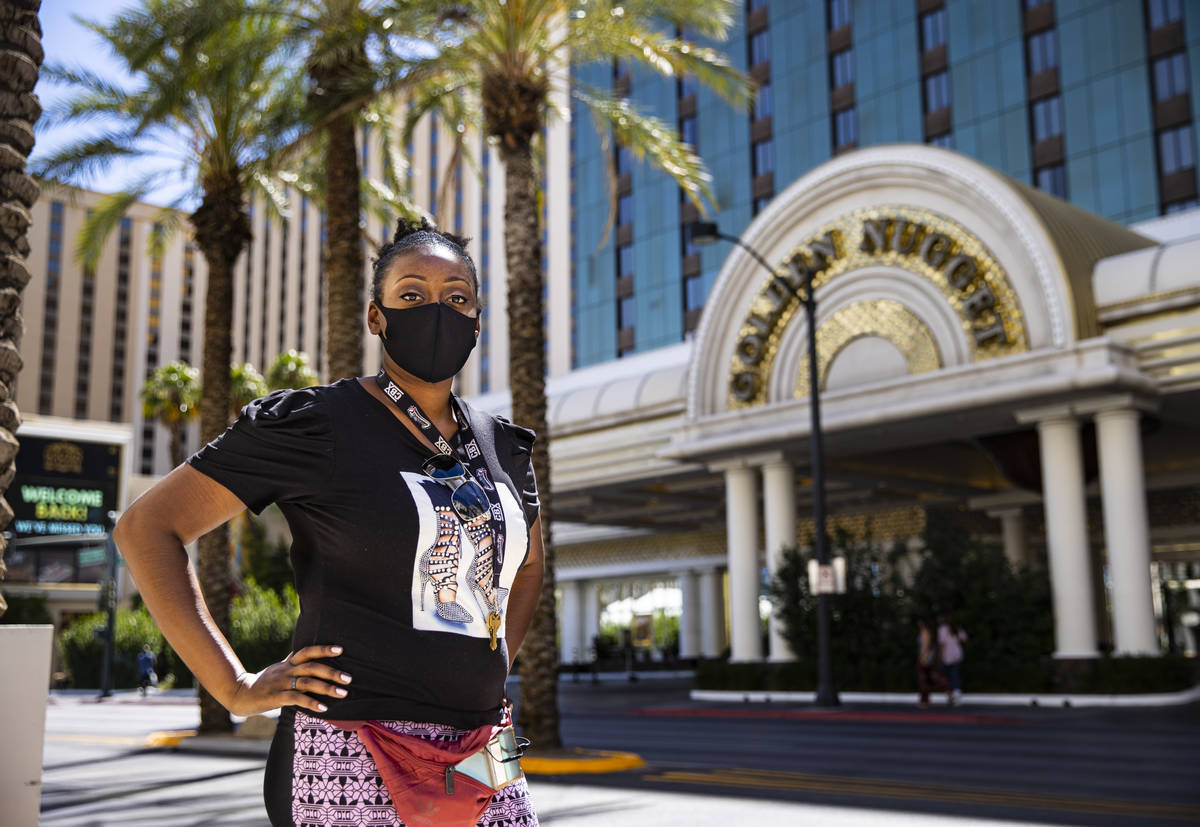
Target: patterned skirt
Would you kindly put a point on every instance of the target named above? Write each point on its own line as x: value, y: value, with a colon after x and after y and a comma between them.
x: 319, y: 776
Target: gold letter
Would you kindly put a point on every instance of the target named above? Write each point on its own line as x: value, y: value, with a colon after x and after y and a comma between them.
x: 959, y: 271
x: 872, y: 236
x: 934, y: 249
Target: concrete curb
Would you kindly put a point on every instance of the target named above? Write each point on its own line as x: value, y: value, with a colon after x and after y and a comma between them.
x: 583, y: 761
x: 910, y: 698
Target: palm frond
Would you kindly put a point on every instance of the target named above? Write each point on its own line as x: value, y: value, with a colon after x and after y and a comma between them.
x: 81, y: 161
x: 102, y: 220
x: 168, y: 221
x: 648, y: 136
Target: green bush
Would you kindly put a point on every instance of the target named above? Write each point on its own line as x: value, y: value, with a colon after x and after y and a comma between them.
x: 83, y: 649
x: 263, y: 622
x: 26, y: 610
x: 873, y: 632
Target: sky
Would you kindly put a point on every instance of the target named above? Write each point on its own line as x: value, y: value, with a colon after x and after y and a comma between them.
x: 66, y: 42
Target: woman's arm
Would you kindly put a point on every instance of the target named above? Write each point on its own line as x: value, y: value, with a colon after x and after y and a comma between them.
x: 151, y: 536
x: 526, y: 589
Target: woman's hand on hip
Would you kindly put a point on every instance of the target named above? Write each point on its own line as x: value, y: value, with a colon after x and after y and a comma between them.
x: 291, y: 682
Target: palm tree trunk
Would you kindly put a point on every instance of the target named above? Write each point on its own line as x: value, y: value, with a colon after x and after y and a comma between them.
x: 178, y: 433
x: 527, y: 372
x: 19, y: 109
x: 222, y: 230
x: 343, y: 251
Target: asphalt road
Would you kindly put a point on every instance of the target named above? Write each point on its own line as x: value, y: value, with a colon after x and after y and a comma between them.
x: 706, y: 764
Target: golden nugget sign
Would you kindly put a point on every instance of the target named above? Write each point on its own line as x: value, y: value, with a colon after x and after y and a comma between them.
x: 917, y: 241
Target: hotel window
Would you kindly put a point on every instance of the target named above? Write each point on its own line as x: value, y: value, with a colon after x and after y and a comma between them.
x: 839, y: 44
x: 839, y: 14
x: 689, y: 265
x: 116, y: 405
x: 1047, y: 118
x: 762, y: 134
x: 54, y: 249
x: 284, y: 306
x: 1164, y: 12
x: 185, y: 310
x: 83, y: 362
x: 1045, y: 99
x: 937, y: 92
x: 843, y: 67
x: 153, y: 341
x: 845, y: 128
x: 301, y: 279
x: 1170, y: 76
x: 935, y: 76
x: 1174, y: 134
x: 262, y: 316
x: 1176, y: 150
x: 622, y: 160
x: 933, y: 30
x: 1042, y: 49
x: 1052, y: 179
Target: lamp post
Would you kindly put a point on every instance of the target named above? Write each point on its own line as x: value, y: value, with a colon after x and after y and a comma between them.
x: 706, y: 232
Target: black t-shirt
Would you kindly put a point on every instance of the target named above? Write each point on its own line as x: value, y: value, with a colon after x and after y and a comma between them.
x: 373, y: 542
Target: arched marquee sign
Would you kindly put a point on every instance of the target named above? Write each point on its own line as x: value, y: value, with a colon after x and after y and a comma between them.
x: 933, y: 247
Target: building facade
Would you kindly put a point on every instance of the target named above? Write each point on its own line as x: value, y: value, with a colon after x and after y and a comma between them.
x: 999, y: 200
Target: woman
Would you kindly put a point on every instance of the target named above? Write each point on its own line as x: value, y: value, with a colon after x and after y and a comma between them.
x: 417, y: 554
x: 928, y: 676
x: 950, y: 638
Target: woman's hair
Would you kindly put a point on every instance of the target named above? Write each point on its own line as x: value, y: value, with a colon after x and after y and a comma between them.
x: 410, y: 235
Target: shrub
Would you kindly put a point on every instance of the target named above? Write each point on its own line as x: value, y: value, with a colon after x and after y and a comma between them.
x: 82, y: 647
x: 263, y: 622
x: 26, y: 610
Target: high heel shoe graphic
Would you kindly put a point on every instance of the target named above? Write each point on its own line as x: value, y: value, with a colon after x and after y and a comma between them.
x: 438, y: 567
x: 481, y: 581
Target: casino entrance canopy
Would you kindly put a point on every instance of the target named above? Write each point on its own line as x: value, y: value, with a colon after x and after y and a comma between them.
x: 982, y: 346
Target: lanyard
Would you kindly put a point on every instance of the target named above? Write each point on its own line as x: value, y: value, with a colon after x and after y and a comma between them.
x: 472, y: 458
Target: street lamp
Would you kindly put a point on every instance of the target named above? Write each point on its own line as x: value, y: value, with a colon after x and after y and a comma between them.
x: 706, y: 232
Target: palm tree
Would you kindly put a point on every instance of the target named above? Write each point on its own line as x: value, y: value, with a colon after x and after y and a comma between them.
x: 171, y: 396
x: 232, y: 102
x: 290, y: 370
x: 245, y: 385
x: 348, y: 51
x: 507, y: 54
x: 19, y: 109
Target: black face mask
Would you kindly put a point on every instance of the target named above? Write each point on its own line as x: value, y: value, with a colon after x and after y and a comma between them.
x: 431, y: 341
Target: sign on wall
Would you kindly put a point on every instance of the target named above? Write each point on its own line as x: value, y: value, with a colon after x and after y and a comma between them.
x: 63, y: 486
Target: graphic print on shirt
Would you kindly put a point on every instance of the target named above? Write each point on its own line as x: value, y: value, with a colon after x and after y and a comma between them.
x: 453, y: 585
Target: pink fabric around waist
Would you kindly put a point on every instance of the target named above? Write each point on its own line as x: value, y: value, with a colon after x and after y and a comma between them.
x: 414, y: 771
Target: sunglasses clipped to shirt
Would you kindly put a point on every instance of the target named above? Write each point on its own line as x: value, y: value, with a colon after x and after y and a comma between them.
x: 466, y: 496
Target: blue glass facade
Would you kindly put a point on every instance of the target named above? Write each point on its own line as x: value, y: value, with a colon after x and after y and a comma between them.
x: 1105, y: 134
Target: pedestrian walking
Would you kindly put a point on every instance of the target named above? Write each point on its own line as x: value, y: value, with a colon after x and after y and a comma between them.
x: 145, y: 666
x: 929, y: 677
x: 417, y: 554
x: 950, y: 639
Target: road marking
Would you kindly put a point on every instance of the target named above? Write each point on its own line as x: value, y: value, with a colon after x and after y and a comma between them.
x: 880, y: 788
x: 114, y: 740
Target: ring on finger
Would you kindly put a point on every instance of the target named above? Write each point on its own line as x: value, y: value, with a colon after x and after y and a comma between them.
x: 294, y: 679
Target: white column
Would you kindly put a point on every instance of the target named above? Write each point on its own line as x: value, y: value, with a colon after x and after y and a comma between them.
x: 1126, y: 531
x: 779, y: 506
x: 712, y: 614
x: 690, y: 620
x: 1066, y: 538
x: 591, y: 614
x: 741, y: 522
x: 570, y: 629
x: 1016, y: 542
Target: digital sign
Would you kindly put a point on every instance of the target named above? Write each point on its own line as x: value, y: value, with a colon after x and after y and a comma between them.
x: 63, y: 486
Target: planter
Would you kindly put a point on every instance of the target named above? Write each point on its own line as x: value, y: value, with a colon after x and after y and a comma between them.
x: 25, y: 654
